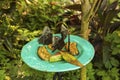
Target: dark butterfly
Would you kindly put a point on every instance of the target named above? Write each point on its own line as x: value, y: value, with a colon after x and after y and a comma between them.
x: 59, y: 42
x: 46, y: 37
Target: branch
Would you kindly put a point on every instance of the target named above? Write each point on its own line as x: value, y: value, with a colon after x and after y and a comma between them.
x: 98, y: 5
x: 91, y: 10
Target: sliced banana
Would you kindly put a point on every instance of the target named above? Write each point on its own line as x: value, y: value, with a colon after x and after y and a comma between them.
x: 73, y: 48
x: 43, y: 53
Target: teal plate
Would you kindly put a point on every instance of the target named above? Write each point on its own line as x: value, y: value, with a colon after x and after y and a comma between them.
x: 30, y: 57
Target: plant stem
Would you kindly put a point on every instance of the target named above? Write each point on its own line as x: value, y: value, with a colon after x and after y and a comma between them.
x: 84, y: 29
x: 86, y: 7
x: 91, y: 11
x: 87, y: 11
x: 83, y: 73
x: 97, y: 6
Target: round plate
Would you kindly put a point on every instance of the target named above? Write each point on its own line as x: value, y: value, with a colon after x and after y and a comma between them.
x: 30, y: 57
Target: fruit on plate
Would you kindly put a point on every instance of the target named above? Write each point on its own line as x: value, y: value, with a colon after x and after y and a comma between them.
x: 72, y: 48
x: 43, y: 53
x: 56, y: 57
x: 66, y: 55
x: 71, y: 59
x: 50, y: 47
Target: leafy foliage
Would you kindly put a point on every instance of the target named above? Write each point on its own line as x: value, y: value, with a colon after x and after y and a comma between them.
x: 112, y: 43
x: 17, y: 28
x: 105, y: 22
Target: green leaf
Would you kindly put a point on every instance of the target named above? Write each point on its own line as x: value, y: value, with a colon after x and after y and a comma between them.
x: 106, y: 78
x: 106, y: 57
x: 114, y: 62
x: 108, y: 38
x: 108, y: 64
x: 90, y: 72
x: 90, y: 66
x: 115, y: 72
x: 101, y: 72
x: 2, y: 74
x: 118, y: 46
x: 116, y: 51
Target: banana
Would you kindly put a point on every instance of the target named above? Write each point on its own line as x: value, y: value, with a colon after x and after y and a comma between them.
x: 71, y: 59
x: 43, y: 53
x: 72, y: 47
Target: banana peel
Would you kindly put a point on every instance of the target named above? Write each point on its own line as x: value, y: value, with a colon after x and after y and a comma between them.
x: 71, y: 59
